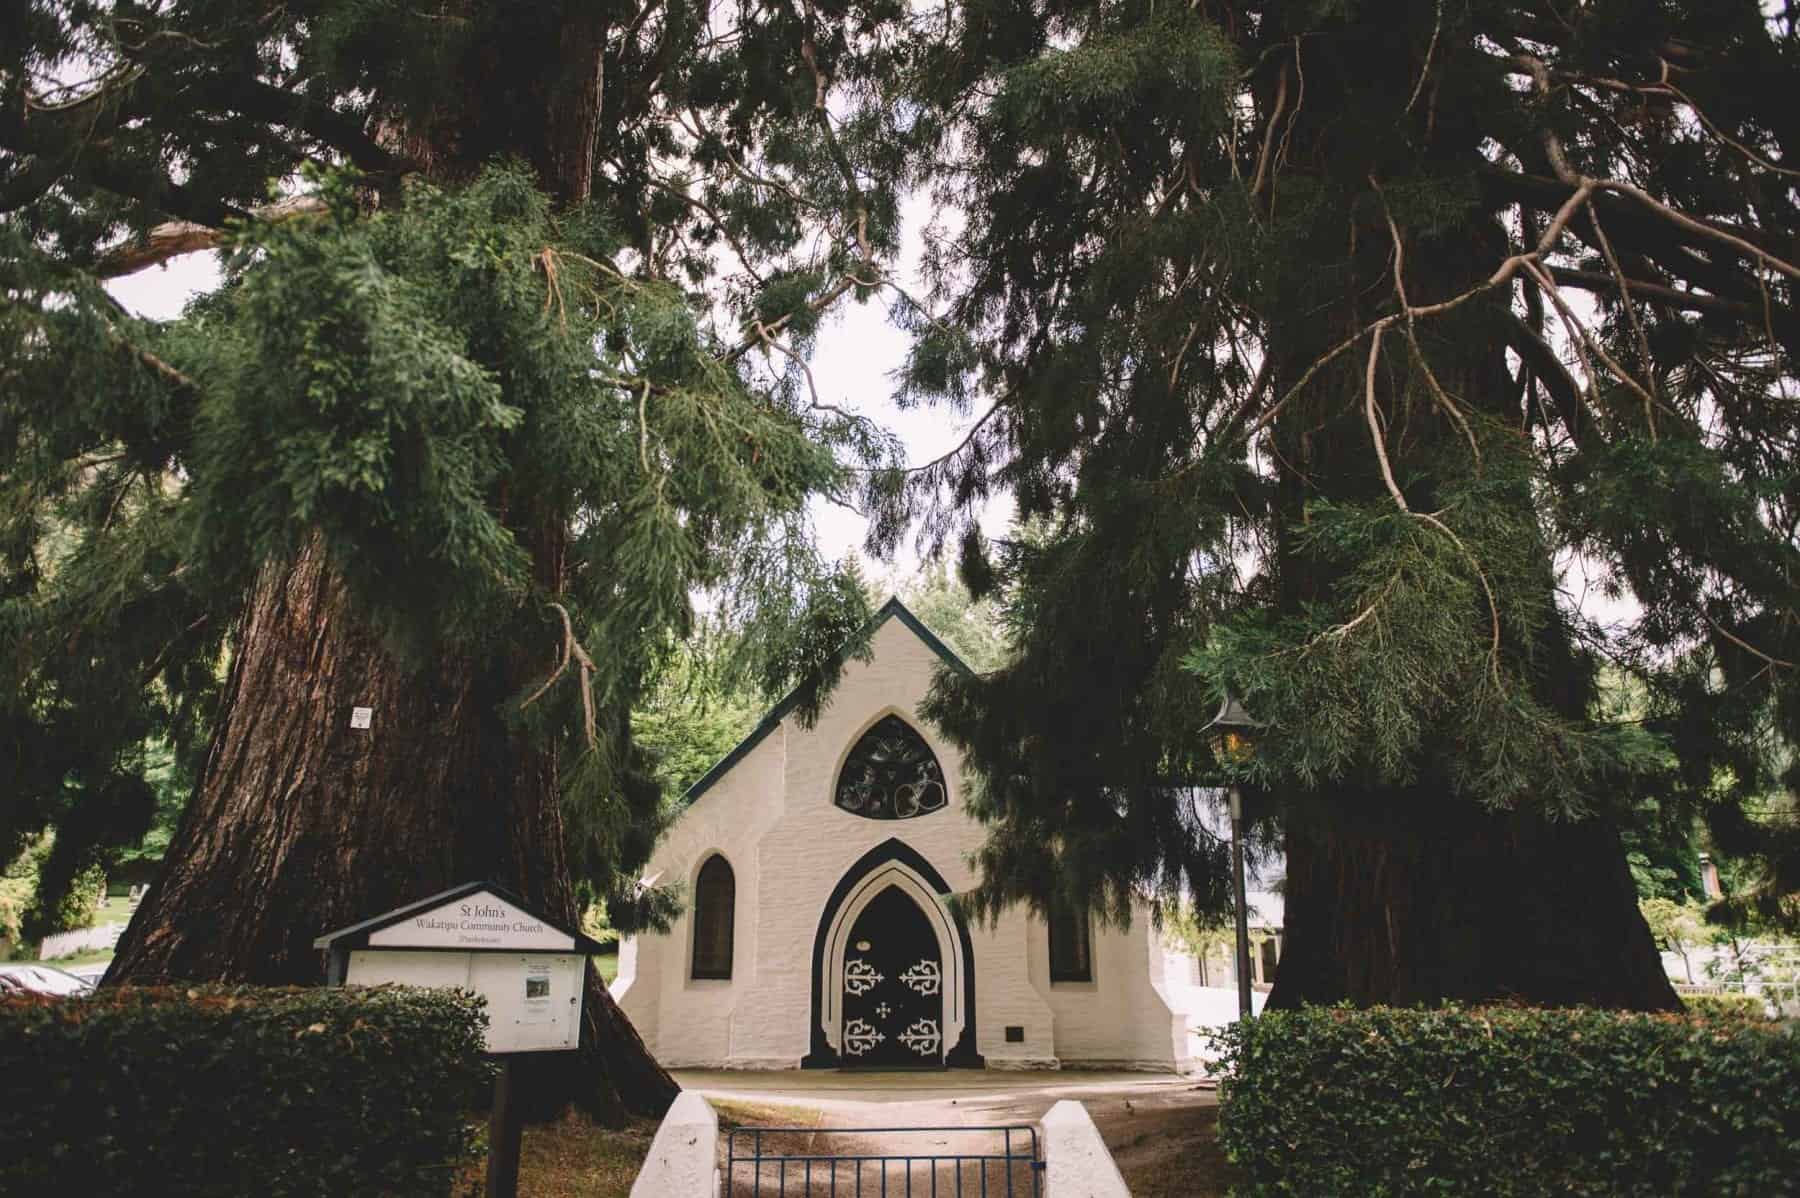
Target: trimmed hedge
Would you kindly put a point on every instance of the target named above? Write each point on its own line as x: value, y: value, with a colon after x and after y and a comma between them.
x: 1510, y: 1101
x: 220, y: 1091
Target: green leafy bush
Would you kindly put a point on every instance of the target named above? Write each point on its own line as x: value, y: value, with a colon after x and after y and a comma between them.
x: 1510, y: 1101
x: 220, y: 1091
x: 24, y: 914
x: 1727, y: 1006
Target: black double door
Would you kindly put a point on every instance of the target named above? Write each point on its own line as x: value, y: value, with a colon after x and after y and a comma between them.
x: 893, y: 987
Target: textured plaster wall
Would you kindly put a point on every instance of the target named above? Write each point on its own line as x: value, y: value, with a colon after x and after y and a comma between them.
x: 1122, y: 1017
x: 789, y: 846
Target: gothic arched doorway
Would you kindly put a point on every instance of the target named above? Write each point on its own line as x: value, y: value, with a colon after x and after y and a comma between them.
x: 893, y: 987
x: 891, y: 865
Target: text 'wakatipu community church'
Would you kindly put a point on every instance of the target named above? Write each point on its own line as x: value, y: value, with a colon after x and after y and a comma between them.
x: 818, y: 864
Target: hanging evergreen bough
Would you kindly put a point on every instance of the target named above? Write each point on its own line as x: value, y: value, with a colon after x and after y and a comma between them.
x: 1315, y: 341
x: 503, y: 384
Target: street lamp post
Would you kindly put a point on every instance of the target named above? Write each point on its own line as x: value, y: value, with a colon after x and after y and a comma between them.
x: 1232, y: 732
x: 1243, y: 917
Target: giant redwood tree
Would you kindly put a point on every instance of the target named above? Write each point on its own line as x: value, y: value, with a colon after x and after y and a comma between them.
x: 1315, y: 340
x: 1322, y: 344
x: 504, y: 370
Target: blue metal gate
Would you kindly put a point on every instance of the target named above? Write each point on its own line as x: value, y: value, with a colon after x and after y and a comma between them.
x: 760, y: 1163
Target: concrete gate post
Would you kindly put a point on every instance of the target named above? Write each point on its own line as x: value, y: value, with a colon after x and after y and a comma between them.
x: 684, y: 1156
x: 1076, y: 1161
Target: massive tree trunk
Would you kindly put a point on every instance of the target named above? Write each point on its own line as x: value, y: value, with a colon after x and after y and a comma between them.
x: 1428, y: 900
x: 299, y: 823
x: 1410, y: 894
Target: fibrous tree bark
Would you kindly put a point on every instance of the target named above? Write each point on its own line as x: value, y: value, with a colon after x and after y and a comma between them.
x: 458, y: 441
x: 1269, y: 308
x: 300, y: 823
x: 1440, y: 904
x: 1408, y: 893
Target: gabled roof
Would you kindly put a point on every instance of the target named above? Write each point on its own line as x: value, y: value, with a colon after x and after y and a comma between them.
x: 357, y: 934
x: 893, y: 609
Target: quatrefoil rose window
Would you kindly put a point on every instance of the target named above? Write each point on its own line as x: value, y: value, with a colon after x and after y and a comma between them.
x: 891, y: 773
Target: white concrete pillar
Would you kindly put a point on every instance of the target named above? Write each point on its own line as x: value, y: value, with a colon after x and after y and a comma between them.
x: 1076, y: 1161
x: 684, y: 1156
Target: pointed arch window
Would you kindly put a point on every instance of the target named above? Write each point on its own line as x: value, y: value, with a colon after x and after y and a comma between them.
x: 715, y: 907
x: 1071, y: 950
x: 891, y: 773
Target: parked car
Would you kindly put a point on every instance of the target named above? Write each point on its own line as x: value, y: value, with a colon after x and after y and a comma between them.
x: 43, y: 979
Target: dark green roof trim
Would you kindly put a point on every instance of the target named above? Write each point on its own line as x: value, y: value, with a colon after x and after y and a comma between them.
x: 893, y: 609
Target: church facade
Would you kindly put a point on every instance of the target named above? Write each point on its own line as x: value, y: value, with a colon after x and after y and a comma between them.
x: 817, y: 864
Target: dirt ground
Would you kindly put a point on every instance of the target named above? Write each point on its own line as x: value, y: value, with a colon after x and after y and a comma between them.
x: 1161, y: 1129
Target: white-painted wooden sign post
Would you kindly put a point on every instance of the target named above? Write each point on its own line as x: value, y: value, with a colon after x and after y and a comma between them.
x: 479, y: 937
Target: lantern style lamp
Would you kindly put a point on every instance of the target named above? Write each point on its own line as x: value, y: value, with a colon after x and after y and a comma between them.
x: 1232, y: 735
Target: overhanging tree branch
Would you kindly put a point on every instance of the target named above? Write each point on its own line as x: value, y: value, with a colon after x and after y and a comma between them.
x: 174, y: 238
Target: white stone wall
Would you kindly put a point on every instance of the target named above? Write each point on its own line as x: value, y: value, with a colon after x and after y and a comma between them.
x: 788, y: 845
x: 1211, y: 1005
x: 1122, y: 1019
x: 81, y: 940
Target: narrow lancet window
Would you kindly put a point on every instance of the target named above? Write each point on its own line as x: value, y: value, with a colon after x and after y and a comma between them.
x: 715, y: 903
x: 1071, y: 953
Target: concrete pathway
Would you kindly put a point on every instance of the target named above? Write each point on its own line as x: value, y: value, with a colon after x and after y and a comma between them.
x: 870, y: 1098
x: 826, y: 1108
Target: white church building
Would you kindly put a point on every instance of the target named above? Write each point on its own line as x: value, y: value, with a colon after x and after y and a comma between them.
x: 817, y: 864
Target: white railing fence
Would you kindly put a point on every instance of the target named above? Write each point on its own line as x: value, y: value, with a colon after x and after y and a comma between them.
x: 82, y: 940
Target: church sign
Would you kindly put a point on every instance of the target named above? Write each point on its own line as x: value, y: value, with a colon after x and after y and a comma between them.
x: 477, y: 937
x: 479, y: 921
x: 483, y: 938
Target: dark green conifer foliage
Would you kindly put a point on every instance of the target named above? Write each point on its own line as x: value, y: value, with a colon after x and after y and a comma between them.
x: 1317, y: 338
x: 508, y: 374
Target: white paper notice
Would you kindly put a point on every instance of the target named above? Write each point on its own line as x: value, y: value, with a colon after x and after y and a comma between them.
x: 538, y: 1006
x: 361, y: 716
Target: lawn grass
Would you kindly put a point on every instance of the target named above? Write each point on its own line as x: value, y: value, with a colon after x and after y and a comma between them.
x: 573, y: 1158
x: 1183, y: 1161
x: 737, y: 1113
x: 607, y: 965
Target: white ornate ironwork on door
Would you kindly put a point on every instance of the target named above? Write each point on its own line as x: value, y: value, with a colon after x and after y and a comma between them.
x: 923, y: 977
x: 859, y: 1038
x: 860, y: 977
x: 922, y: 1037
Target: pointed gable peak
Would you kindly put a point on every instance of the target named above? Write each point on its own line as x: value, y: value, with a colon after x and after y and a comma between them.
x: 893, y: 609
